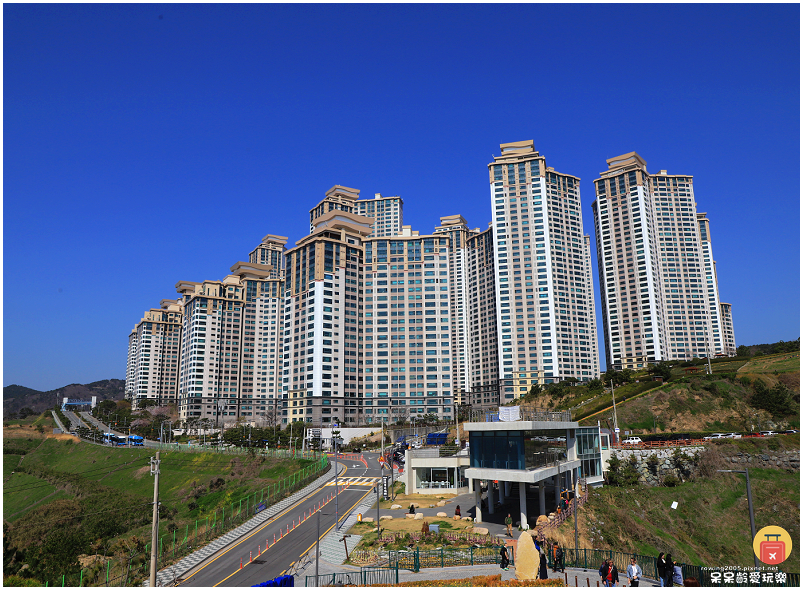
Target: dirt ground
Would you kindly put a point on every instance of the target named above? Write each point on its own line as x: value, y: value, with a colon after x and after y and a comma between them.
x: 400, y: 524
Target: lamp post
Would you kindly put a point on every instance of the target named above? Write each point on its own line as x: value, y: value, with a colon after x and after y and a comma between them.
x: 749, y: 503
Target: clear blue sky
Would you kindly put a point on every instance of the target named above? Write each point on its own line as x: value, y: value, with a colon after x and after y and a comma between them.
x: 146, y: 144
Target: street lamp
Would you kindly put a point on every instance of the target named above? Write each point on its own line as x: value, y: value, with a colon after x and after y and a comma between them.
x: 749, y: 504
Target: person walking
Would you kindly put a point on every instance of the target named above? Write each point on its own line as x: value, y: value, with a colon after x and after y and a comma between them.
x: 542, y: 562
x: 669, y: 570
x: 634, y: 573
x: 503, y: 558
x: 661, y: 566
x: 458, y: 510
x: 559, y: 558
x: 609, y: 574
x: 509, y: 523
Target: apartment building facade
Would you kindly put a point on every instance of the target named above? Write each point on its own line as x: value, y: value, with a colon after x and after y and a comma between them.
x: 542, y: 274
x: 386, y: 214
x: 657, y: 275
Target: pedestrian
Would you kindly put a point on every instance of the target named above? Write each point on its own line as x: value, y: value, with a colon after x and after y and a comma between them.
x: 634, y: 573
x: 609, y: 574
x: 503, y: 558
x: 411, y: 509
x: 458, y: 510
x: 661, y: 566
x: 559, y: 558
x: 509, y: 522
x: 669, y: 569
x: 602, y: 566
x: 542, y: 563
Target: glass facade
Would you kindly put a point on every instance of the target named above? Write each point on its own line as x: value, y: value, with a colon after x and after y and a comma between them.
x: 588, y: 446
x: 517, y: 449
x: 440, y: 477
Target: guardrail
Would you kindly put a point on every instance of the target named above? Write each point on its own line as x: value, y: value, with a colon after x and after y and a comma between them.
x: 368, y: 576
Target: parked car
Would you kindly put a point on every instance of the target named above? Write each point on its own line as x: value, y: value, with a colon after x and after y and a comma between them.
x: 790, y: 431
x: 715, y: 436
x: 632, y: 440
x: 767, y: 433
x: 733, y: 435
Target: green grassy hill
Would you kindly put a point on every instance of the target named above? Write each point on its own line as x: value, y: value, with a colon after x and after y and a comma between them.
x: 63, y: 498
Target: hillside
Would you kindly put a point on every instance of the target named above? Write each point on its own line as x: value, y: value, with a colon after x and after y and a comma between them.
x: 710, y: 525
x: 16, y: 397
x: 741, y: 395
x: 68, y: 503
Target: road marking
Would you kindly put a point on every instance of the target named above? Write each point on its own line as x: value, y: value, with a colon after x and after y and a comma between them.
x: 354, y: 481
x: 344, y: 515
x: 243, y: 539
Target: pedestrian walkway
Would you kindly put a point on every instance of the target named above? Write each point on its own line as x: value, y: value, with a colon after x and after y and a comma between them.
x: 355, y: 481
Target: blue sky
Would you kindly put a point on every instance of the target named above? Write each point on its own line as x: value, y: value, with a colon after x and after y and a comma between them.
x: 146, y: 144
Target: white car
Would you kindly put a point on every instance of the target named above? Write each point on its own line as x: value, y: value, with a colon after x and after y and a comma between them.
x: 715, y: 436
x: 733, y: 435
x: 767, y: 433
x: 633, y: 440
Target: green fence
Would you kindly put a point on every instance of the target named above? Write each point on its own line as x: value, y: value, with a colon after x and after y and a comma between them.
x: 445, y: 557
x: 132, y: 569
x: 368, y: 576
x: 592, y: 559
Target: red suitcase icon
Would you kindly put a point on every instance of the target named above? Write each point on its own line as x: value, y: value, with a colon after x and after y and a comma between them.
x: 773, y: 552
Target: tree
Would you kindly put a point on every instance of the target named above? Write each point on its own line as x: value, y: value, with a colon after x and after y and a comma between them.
x: 595, y: 385
x: 625, y: 376
x: 777, y: 400
x: 742, y: 350
x: 661, y: 369
x: 610, y: 375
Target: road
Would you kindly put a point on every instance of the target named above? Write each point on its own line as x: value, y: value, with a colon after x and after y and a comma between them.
x: 89, y: 419
x: 223, y: 569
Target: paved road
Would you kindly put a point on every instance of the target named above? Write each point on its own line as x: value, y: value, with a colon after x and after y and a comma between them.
x: 355, y: 484
x: 88, y: 418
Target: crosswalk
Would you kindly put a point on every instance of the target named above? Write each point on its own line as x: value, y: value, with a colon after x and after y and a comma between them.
x: 355, y: 481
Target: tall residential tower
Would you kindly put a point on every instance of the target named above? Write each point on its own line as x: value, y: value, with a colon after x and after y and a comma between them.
x: 546, y: 329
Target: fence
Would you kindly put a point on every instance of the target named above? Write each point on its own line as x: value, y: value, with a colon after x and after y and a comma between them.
x: 592, y: 559
x: 368, y: 576
x: 471, y: 538
x: 526, y: 413
x: 133, y: 568
x: 445, y: 557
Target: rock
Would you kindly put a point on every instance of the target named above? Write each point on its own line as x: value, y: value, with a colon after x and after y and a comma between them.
x: 543, y: 520
x: 441, y: 503
x: 456, y: 517
x: 466, y: 518
x: 396, y: 507
x: 386, y: 517
x: 479, y: 530
x: 410, y: 516
x: 369, y: 519
x: 442, y: 514
x: 526, y: 559
x: 419, y: 516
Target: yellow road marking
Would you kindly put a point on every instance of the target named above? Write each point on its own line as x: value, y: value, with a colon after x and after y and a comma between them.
x: 260, y: 528
x: 307, y: 550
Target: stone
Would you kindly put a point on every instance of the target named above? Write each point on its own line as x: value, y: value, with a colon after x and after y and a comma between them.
x: 368, y: 519
x: 466, y: 518
x: 396, y: 507
x: 542, y: 520
x: 526, y: 559
x: 441, y: 503
x: 479, y: 530
x: 410, y: 516
x: 456, y: 517
x: 419, y: 516
x: 386, y: 517
x: 442, y: 514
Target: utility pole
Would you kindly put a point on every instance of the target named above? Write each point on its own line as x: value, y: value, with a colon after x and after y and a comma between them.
x: 154, y: 470
x: 336, y: 476
x: 614, y: 401
x: 381, y: 445
x: 378, y: 494
x: 458, y: 445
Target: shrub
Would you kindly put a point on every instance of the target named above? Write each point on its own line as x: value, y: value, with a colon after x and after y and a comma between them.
x: 671, y: 481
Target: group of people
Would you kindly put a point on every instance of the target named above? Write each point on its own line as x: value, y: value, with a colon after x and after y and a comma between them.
x: 669, y: 573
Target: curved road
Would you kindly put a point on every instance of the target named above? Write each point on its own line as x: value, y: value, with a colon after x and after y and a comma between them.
x: 300, y: 520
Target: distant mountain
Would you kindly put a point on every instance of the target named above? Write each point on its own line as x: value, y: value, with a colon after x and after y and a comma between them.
x: 16, y: 397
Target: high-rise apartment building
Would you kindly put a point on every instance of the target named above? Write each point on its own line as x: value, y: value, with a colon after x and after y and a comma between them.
x: 386, y: 213
x: 153, y: 352
x: 657, y: 276
x: 726, y: 321
x: 481, y: 321
x: 542, y: 273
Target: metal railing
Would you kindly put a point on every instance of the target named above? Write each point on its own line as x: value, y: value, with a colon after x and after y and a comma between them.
x: 526, y: 414
x: 368, y: 576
